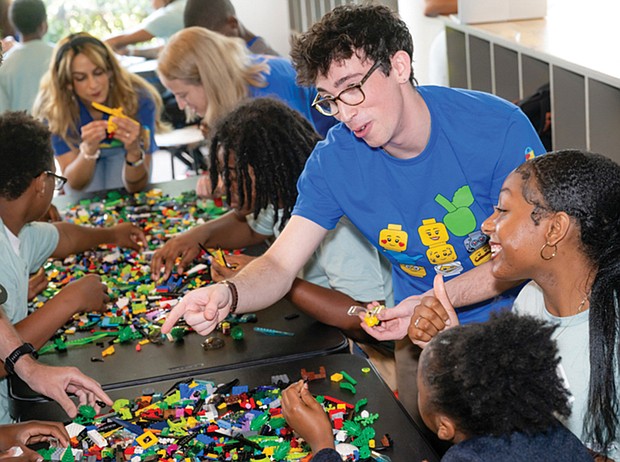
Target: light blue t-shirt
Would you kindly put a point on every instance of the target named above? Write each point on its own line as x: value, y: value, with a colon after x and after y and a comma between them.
x: 344, y: 261
x: 165, y: 22
x: 37, y: 241
x: 20, y: 75
x: 424, y: 213
x: 573, y: 339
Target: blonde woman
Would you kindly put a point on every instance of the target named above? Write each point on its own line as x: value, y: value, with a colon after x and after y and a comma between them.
x: 95, y: 150
x: 209, y: 74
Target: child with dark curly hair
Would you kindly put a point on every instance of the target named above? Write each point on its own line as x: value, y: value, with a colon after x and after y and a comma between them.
x: 27, y: 183
x: 492, y: 389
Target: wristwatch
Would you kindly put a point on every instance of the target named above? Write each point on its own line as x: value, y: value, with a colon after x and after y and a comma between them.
x: 3, y: 294
x: 24, y: 349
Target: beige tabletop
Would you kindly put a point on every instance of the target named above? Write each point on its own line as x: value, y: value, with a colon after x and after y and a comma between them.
x: 577, y: 34
x: 179, y: 137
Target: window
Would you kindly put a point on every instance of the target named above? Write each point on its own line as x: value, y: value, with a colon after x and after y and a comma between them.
x: 99, y: 17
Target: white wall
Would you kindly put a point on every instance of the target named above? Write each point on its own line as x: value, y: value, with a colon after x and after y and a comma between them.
x: 271, y: 21
x: 267, y: 18
x: 424, y: 30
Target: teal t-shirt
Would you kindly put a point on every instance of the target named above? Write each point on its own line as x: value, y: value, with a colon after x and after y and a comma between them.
x: 37, y: 241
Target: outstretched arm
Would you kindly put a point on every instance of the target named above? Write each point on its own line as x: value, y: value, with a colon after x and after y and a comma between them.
x: 57, y: 382
x: 326, y: 305
x: 263, y: 282
x: 128, y: 38
x: 474, y: 286
x: 74, y: 238
x: 54, y: 382
x: 85, y: 294
x: 230, y: 231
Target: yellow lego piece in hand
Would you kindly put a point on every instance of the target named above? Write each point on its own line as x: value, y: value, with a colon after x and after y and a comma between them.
x: 113, y: 112
x: 371, y: 320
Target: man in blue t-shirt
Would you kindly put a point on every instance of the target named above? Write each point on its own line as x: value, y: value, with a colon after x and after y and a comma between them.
x: 416, y: 169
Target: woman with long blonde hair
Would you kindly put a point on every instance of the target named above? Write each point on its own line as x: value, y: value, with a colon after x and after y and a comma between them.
x: 97, y: 150
x: 209, y: 74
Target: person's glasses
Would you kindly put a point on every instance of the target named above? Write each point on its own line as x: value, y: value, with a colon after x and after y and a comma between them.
x: 351, y: 96
x: 59, y: 181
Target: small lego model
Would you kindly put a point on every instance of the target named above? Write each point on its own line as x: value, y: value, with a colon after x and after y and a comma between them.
x: 370, y: 314
x: 218, y: 256
x: 114, y: 112
x: 309, y: 375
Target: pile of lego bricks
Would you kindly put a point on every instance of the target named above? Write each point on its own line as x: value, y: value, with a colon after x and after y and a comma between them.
x: 138, y: 303
x: 198, y: 420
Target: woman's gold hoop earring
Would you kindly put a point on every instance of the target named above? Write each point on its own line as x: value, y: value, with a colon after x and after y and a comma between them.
x: 542, y: 250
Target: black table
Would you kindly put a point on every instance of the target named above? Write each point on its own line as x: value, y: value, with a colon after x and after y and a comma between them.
x: 409, y: 443
x: 172, y: 360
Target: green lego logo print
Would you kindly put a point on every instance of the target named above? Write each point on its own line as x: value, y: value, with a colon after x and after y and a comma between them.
x: 459, y: 220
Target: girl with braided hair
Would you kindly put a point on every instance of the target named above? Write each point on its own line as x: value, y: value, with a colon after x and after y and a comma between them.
x: 557, y: 223
x: 259, y: 151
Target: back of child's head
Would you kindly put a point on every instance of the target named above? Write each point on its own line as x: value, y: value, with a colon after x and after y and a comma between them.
x: 274, y: 141
x: 211, y: 14
x: 496, y: 378
x: 27, y: 15
x: 26, y: 152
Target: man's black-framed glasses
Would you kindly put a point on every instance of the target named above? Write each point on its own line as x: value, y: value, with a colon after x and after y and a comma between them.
x: 59, y: 181
x: 351, y: 96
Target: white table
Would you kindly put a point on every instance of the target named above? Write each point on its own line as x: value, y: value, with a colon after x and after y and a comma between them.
x: 179, y: 143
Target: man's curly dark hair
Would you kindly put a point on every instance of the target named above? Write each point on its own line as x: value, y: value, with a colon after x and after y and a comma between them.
x: 498, y: 377
x: 26, y: 152
x: 275, y: 141
x: 374, y: 32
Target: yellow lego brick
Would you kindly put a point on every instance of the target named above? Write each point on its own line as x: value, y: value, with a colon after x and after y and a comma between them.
x: 191, y: 422
x: 147, y: 439
x: 108, y: 351
x: 337, y: 377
